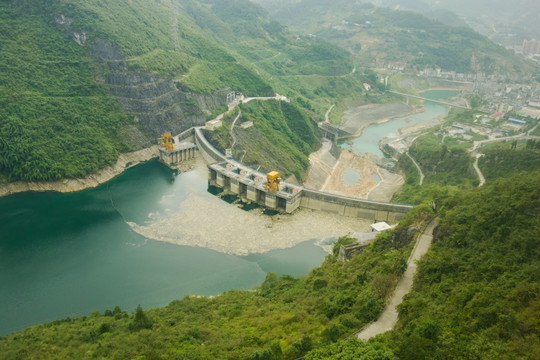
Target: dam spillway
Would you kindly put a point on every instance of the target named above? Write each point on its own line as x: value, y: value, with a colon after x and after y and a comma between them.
x: 250, y: 184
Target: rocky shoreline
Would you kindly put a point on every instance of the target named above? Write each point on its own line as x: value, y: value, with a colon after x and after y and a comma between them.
x: 124, y: 162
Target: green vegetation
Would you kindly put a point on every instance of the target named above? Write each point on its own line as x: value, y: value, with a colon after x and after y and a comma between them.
x: 59, y: 121
x: 476, y: 293
x: 504, y: 159
x: 55, y: 120
x: 395, y: 37
x: 281, y: 139
x: 475, y: 296
x: 284, y: 317
x: 444, y: 166
x: 287, y: 135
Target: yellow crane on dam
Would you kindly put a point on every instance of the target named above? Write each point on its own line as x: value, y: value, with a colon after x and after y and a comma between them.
x: 167, y: 142
x: 272, y: 181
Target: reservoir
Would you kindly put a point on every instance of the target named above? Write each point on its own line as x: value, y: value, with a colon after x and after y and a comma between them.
x: 70, y: 254
x: 369, y: 140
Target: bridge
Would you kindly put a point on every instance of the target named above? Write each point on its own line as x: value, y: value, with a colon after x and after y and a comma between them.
x: 434, y: 101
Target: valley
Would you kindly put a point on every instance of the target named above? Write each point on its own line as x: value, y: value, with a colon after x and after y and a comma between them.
x: 402, y: 152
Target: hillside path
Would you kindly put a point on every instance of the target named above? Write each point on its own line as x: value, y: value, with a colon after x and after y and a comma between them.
x: 418, y: 167
x: 478, y: 171
x: 389, y: 316
x: 327, y: 115
x: 232, y: 128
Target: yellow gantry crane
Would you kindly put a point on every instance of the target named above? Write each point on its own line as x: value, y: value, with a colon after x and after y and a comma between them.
x: 272, y: 181
x: 167, y: 142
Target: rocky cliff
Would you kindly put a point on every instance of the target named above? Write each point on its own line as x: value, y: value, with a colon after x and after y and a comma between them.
x: 158, y: 104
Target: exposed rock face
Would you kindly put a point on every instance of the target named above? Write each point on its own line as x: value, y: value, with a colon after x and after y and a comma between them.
x: 158, y: 104
x: 155, y: 101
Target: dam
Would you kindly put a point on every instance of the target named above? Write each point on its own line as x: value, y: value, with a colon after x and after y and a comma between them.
x: 249, y: 185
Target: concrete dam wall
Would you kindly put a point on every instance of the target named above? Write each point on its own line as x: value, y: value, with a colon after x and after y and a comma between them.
x: 351, y: 206
x: 249, y: 184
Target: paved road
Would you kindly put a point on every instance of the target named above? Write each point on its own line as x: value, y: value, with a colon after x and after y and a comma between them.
x: 389, y: 317
x: 418, y: 167
x: 232, y: 129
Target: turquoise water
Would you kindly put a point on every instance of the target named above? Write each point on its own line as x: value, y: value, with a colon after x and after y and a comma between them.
x: 368, y: 142
x: 70, y: 254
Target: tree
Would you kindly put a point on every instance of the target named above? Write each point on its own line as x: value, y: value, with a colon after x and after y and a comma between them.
x: 141, y: 321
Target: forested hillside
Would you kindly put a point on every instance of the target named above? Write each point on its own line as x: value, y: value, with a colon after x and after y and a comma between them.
x: 381, y: 37
x: 504, y: 159
x: 82, y: 81
x: 55, y: 119
x: 476, y: 293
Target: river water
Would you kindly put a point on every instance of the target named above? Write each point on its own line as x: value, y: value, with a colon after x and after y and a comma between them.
x: 369, y: 140
x: 70, y: 254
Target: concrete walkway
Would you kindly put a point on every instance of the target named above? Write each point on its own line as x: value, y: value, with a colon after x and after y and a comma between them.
x: 389, y: 317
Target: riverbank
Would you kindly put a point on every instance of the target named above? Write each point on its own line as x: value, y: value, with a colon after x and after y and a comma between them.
x: 124, y: 162
x: 417, y: 127
x: 373, y: 177
x: 356, y: 119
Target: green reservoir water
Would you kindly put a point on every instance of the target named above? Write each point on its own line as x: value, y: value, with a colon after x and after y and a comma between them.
x: 70, y: 254
x: 369, y: 140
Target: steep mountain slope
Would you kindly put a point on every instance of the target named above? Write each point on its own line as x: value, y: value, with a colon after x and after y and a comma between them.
x: 168, y: 64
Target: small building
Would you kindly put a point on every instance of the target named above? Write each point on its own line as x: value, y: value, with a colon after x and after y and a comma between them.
x: 497, y: 115
x: 367, y: 86
x: 380, y: 226
x: 517, y: 121
x: 246, y: 124
x: 213, y: 124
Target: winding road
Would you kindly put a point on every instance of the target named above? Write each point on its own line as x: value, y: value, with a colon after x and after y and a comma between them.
x: 478, y: 172
x: 327, y: 115
x: 388, y: 319
x: 477, y: 144
x: 418, y: 167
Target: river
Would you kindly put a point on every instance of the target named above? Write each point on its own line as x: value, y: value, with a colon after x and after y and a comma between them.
x: 369, y: 140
